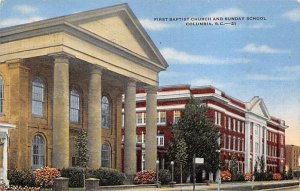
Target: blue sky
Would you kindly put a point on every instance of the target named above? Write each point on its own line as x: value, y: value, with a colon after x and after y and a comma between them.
x: 251, y: 58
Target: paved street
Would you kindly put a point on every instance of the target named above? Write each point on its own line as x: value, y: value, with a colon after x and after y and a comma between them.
x: 245, y: 186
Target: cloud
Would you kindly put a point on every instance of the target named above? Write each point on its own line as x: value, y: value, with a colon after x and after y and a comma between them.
x: 180, y: 57
x: 264, y: 77
x: 291, y: 69
x: 293, y: 15
x: 231, y: 12
x: 172, y: 74
x: 25, y: 9
x: 207, y: 81
x: 17, y: 21
x: 262, y: 49
x: 260, y: 26
x: 155, y: 26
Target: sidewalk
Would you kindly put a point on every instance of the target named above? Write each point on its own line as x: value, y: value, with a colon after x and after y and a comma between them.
x: 226, y: 186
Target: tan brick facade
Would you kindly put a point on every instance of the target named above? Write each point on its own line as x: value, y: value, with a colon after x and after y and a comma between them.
x: 63, y: 54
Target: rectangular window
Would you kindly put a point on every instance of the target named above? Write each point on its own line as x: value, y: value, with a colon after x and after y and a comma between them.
x: 239, y: 126
x: 234, y: 143
x: 234, y: 127
x: 160, y: 140
x: 176, y: 116
x: 229, y: 142
x: 243, y: 145
x: 123, y: 120
x: 141, y: 118
x: 239, y: 146
x: 224, y: 142
x: 1, y: 94
x: 256, y: 148
x: 37, y: 98
x: 229, y: 123
x: 281, y: 139
x: 225, y: 125
x: 161, y: 118
x: 217, y: 118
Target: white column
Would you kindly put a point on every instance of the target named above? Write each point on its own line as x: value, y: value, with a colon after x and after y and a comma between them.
x: 5, y: 161
x: 130, y: 129
x: 265, y: 147
x: 247, y: 146
x: 61, y: 93
x: 151, y: 129
x: 94, y: 118
x: 253, y: 146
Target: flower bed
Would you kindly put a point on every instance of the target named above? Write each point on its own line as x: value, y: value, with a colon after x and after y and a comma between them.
x: 144, y: 177
x: 226, y: 176
x: 44, y: 177
x: 277, y: 176
x: 248, y: 176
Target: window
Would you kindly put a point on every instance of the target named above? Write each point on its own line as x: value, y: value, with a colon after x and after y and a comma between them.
x: 1, y: 94
x: 239, y: 126
x: 229, y: 123
x: 225, y: 122
x: 243, y: 148
x: 281, y: 139
x: 224, y: 142
x: 233, y: 143
x: 74, y: 106
x: 239, y: 146
x: 176, y: 116
x: 38, y: 152
x: 105, y: 155
x: 161, y: 117
x: 160, y: 140
x: 217, y: 118
x: 143, y: 160
x: 123, y: 120
x: 141, y: 118
x: 37, y: 97
x: 251, y: 128
x: 105, y: 119
x: 234, y: 127
x: 243, y: 128
x: 281, y: 152
x: 229, y: 142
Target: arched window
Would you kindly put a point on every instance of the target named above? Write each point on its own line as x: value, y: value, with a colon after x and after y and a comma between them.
x: 105, y: 119
x: 38, y: 152
x: 105, y: 155
x: 37, y: 98
x: 1, y: 94
x: 74, y: 106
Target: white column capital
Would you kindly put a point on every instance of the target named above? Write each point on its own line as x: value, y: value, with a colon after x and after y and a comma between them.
x: 95, y: 69
x: 131, y: 82
x: 151, y: 89
x: 61, y: 57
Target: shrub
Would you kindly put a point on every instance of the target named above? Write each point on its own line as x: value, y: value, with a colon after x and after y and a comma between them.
x: 260, y: 176
x: 290, y: 174
x: 277, y: 176
x: 269, y: 176
x: 21, y: 178
x: 225, y: 176
x: 44, y: 177
x: 144, y: 177
x: 239, y: 177
x: 164, y: 176
x: 76, y: 176
x: 107, y: 176
x: 248, y: 176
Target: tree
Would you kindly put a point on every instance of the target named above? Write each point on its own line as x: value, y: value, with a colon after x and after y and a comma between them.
x: 234, y: 166
x: 199, y: 134
x: 81, y: 149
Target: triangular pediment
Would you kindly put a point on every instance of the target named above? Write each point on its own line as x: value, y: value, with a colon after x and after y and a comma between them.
x: 119, y: 25
x: 258, y: 107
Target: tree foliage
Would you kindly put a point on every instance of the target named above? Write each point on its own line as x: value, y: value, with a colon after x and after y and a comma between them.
x: 195, y: 133
x: 81, y: 149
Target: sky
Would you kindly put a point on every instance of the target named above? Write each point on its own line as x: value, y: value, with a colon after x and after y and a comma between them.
x: 245, y: 58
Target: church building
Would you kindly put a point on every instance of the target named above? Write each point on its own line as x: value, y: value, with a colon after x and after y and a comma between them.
x: 61, y: 75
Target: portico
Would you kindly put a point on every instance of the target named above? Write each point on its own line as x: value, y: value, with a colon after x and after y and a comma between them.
x: 99, y: 53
